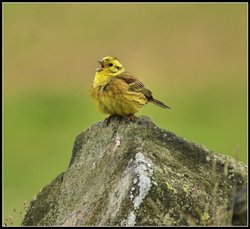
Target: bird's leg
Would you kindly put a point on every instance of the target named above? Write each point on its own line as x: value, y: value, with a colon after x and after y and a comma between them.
x: 131, y: 117
x: 108, y: 119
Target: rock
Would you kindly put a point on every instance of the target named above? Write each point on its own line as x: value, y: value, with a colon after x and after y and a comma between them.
x: 240, y: 208
x: 131, y: 173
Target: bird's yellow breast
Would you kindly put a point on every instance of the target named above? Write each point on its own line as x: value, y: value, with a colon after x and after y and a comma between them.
x: 114, y: 98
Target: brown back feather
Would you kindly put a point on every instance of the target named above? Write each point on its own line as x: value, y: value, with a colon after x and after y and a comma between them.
x: 137, y: 86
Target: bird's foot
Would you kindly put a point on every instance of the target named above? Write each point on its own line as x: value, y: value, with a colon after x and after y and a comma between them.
x: 108, y: 120
x: 131, y: 118
x: 113, y: 117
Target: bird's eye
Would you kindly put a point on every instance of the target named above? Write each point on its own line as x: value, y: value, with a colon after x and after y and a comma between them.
x: 110, y: 65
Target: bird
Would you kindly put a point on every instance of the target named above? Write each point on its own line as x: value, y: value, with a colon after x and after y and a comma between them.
x: 117, y: 92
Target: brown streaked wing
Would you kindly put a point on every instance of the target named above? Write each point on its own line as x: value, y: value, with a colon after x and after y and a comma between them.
x: 134, y: 84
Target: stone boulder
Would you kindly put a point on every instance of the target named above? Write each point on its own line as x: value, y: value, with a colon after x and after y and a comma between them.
x: 133, y: 173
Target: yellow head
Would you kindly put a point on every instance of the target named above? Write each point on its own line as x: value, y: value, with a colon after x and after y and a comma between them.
x: 110, y: 66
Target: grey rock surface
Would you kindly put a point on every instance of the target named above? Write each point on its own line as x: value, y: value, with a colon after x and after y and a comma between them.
x: 130, y: 173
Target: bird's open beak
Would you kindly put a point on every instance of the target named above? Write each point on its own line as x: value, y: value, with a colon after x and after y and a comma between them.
x: 102, y: 65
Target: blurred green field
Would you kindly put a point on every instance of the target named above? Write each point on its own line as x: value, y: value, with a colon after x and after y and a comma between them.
x: 192, y: 56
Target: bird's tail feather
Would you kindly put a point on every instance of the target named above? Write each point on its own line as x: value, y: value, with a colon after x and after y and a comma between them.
x: 159, y: 103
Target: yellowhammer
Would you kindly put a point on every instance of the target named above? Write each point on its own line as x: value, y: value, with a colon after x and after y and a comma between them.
x: 117, y: 92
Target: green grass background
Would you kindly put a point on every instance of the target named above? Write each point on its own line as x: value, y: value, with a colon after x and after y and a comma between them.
x: 192, y: 56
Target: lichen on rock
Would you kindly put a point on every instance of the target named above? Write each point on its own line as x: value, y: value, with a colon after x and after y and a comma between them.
x: 142, y: 184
